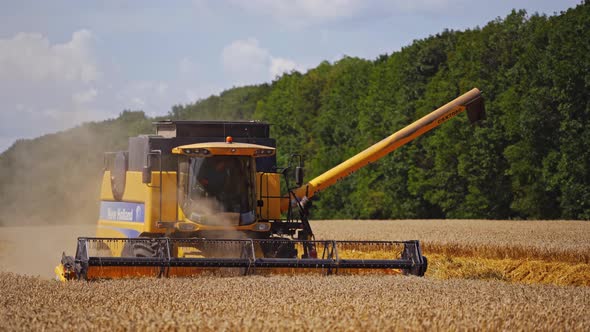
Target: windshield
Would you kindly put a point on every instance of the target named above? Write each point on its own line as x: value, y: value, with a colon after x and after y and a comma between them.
x: 217, y: 184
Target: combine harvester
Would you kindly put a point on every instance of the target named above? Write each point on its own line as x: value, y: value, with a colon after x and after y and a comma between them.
x: 202, y: 196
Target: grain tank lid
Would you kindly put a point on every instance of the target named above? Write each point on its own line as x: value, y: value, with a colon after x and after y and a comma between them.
x: 238, y: 129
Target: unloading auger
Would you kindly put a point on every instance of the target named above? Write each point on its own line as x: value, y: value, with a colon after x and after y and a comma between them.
x: 204, y: 197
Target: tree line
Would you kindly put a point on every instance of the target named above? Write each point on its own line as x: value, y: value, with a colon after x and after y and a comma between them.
x: 529, y: 160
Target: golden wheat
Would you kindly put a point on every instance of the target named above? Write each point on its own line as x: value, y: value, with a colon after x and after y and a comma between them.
x: 511, y: 270
x: 279, y: 302
x: 489, y: 252
x: 547, y: 252
x: 541, y: 240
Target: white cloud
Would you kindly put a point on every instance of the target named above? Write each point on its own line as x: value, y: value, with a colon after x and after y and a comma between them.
x: 194, y: 82
x: 85, y: 97
x: 31, y: 57
x: 302, y: 13
x: 422, y: 5
x: 246, y: 62
x: 311, y: 8
x: 44, y: 86
x: 279, y: 66
x: 150, y: 96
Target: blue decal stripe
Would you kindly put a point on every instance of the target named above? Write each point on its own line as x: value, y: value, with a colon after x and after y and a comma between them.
x: 122, y: 211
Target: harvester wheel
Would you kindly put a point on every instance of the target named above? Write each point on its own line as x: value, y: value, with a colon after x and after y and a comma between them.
x: 282, y: 249
x: 288, y: 251
x: 134, y: 249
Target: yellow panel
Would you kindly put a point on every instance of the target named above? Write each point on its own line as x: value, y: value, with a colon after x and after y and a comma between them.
x: 169, y: 201
x: 135, y: 189
x: 268, y: 184
x: 138, y: 192
x: 106, y: 193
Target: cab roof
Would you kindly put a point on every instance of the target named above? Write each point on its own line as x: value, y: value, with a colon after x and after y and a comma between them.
x: 224, y: 149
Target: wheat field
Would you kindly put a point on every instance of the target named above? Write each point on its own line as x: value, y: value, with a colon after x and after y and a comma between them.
x: 524, y: 251
x: 348, y: 303
x: 545, y: 240
x: 483, y: 275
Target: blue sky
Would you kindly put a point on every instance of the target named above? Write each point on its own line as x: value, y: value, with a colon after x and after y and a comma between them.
x: 66, y: 62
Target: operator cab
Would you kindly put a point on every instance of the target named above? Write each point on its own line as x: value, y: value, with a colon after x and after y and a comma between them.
x: 217, y: 182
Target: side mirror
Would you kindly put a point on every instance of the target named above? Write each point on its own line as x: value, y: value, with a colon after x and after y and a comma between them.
x: 146, y: 175
x: 299, y: 176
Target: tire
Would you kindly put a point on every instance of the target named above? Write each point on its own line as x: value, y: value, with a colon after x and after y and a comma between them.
x: 281, y: 249
x: 140, y: 249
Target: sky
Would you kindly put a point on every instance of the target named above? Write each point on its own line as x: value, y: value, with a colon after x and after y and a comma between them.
x: 63, y: 63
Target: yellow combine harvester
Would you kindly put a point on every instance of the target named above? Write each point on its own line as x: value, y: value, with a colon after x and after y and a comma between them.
x: 205, y: 196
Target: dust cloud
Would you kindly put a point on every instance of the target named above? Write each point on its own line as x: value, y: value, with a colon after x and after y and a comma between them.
x: 47, y: 181
x: 36, y: 250
x: 211, y: 211
x: 54, y: 179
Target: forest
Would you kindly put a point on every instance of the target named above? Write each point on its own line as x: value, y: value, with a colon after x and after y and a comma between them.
x: 528, y: 160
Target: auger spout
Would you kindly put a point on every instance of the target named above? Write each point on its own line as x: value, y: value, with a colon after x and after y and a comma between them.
x: 472, y: 101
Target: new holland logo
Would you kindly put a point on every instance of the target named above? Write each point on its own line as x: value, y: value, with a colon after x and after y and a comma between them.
x: 120, y: 214
x: 122, y: 211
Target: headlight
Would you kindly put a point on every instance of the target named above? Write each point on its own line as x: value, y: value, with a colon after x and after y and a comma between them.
x: 198, y: 152
x: 262, y: 227
x: 261, y: 152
